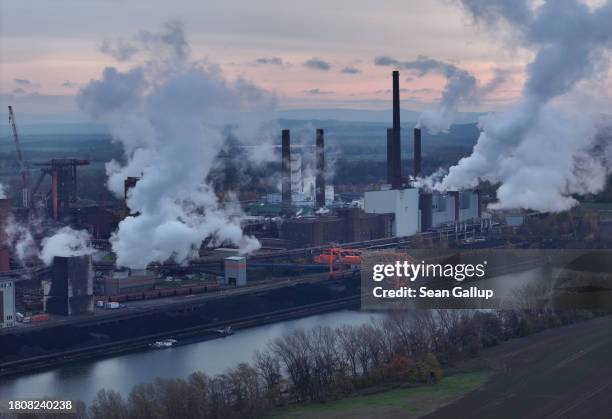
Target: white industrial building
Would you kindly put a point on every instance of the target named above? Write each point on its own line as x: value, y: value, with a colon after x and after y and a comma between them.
x: 469, y: 205
x: 403, y: 203
x: 235, y: 271
x: 7, y: 303
x: 442, y: 210
x: 416, y: 211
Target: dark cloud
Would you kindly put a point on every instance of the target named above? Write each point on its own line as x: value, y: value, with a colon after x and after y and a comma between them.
x: 319, y: 92
x: 269, y: 60
x: 500, y: 76
x: 411, y: 91
x: 119, y: 49
x: 384, y: 60
x: 515, y: 12
x: 23, y: 82
x: 350, y: 70
x: 317, y: 64
x: 68, y: 84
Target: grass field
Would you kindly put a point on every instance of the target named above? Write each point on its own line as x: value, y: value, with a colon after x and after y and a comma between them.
x: 398, y: 403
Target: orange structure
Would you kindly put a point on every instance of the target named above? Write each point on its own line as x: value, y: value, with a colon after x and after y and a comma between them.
x: 338, y: 255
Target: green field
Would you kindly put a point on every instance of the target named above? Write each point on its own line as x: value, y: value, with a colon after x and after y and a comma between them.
x: 398, y: 403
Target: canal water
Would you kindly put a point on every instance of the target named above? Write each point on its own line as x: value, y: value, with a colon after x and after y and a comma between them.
x: 81, y: 381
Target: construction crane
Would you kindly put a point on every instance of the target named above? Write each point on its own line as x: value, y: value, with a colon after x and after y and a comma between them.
x: 25, y: 174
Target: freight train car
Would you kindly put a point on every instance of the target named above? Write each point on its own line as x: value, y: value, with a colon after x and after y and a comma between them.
x: 160, y: 293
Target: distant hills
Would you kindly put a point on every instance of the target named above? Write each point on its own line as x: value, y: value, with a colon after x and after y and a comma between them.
x: 366, y: 115
x: 322, y: 118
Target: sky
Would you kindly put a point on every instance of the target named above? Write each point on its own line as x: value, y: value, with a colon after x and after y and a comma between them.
x: 310, y: 54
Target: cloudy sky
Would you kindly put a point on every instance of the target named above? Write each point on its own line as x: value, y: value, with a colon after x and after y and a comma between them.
x: 311, y: 54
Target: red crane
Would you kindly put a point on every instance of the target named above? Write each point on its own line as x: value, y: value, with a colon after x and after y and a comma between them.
x: 25, y: 174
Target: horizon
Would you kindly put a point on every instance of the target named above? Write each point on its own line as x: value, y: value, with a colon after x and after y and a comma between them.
x: 315, y: 56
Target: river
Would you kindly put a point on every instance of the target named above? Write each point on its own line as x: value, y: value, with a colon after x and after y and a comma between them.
x: 81, y: 381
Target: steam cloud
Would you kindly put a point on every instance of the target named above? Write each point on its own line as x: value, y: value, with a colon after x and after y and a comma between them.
x: 65, y: 242
x: 21, y: 239
x: 542, y: 153
x: 169, y: 114
x: 461, y: 87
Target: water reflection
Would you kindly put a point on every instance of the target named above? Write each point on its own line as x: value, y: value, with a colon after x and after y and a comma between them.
x: 83, y: 380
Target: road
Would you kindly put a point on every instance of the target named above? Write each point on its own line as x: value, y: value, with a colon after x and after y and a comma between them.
x: 560, y: 373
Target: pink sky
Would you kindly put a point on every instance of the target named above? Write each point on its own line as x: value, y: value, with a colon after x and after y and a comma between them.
x: 51, y: 43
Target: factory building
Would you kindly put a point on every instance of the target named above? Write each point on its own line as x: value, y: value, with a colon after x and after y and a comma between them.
x: 360, y: 226
x: 7, y: 303
x: 469, y: 205
x: 70, y: 290
x: 125, y: 282
x: 402, y: 203
x: 347, y: 225
x: 312, y: 231
x: 235, y: 271
x: 415, y: 210
x: 443, y: 208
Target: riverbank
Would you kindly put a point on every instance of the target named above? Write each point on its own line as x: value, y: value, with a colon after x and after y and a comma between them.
x: 184, y: 336
x: 81, y: 380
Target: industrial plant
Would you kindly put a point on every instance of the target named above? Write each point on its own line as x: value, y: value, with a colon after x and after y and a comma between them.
x: 311, y: 242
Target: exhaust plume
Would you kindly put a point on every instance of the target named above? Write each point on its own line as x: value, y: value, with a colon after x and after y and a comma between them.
x: 65, y: 242
x: 170, y: 113
x: 542, y: 153
x: 21, y: 239
x: 461, y: 87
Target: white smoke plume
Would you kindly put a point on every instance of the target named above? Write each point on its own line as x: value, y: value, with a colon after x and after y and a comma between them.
x: 430, y: 182
x: 461, y: 87
x: 20, y: 238
x: 542, y: 153
x: 65, y: 242
x: 169, y: 114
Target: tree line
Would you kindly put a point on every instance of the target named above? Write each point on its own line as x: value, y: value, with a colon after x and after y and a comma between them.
x: 323, y: 363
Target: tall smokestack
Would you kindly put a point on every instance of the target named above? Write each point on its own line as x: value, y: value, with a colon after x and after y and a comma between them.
x: 417, y: 152
x: 320, y: 179
x: 390, y: 153
x: 396, y: 182
x: 286, y: 169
